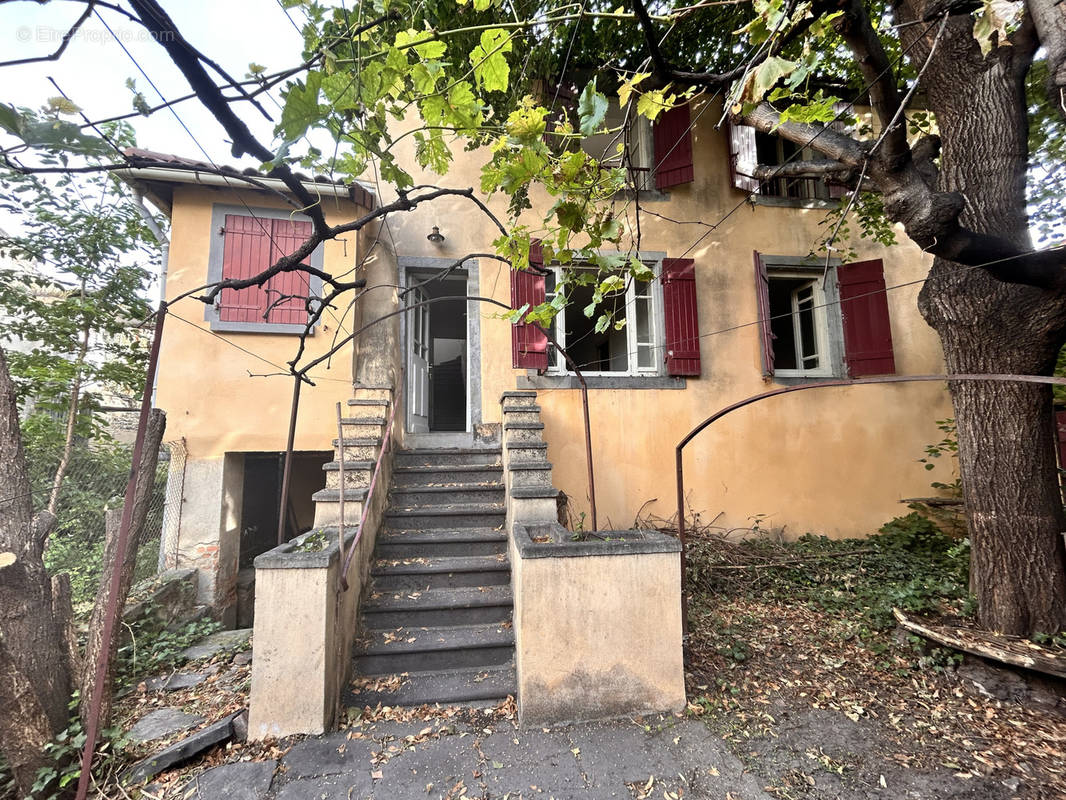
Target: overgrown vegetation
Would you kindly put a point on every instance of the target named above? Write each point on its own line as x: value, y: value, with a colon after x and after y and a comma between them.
x: 95, y: 481
x: 910, y: 564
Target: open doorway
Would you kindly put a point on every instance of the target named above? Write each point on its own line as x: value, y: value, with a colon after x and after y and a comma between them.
x: 259, y: 512
x: 438, y: 350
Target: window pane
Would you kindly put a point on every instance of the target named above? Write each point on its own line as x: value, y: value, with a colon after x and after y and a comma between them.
x: 808, y: 336
x: 592, y: 351
x: 645, y: 356
x: 643, y: 313
x: 784, y: 337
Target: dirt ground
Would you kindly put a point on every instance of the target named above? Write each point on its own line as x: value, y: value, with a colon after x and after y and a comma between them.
x: 820, y: 707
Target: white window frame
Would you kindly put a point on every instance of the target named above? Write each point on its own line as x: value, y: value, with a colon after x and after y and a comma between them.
x: 557, y: 364
x: 826, y: 357
x: 641, y: 144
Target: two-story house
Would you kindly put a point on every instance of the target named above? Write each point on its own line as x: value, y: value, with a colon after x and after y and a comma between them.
x: 736, y: 307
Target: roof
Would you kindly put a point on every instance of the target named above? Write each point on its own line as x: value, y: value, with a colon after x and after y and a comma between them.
x: 155, y: 174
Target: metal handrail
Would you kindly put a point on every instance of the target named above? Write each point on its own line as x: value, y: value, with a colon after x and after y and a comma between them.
x: 680, y: 470
x: 385, y: 446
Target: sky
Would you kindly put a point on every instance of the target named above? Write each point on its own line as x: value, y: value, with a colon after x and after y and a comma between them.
x: 94, y: 68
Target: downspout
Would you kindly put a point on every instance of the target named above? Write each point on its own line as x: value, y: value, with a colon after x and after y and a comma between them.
x: 157, y: 232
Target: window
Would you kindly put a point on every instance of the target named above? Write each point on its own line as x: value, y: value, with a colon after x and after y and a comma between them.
x: 659, y: 155
x: 817, y: 322
x: 245, y: 242
x: 628, y: 347
x: 772, y: 151
x: 749, y: 149
x: 798, y: 324
x: 635, y: 133
x: 660, y: 335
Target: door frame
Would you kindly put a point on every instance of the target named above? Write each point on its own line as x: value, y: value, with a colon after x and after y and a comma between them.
x: 424, y: 265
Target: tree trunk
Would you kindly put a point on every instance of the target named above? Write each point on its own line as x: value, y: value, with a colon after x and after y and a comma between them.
x: 94, y: 644
x: 34, y: 669
x: 72, y: 417
x: 1005, y: 431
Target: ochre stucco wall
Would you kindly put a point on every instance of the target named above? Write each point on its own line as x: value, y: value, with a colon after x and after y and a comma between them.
x: 834, y: 461
x: 204, y: 382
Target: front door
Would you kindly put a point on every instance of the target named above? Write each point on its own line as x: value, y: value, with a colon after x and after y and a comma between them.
x: 418, y: 362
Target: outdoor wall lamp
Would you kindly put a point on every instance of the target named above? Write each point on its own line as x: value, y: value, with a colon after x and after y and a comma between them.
x: 435, y: 235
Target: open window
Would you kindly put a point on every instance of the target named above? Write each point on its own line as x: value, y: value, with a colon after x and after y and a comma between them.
x: 817, y: 322
x: 750, y: 148
x: 657, y: 331
x: 626, y: 348
x: 657, y: 156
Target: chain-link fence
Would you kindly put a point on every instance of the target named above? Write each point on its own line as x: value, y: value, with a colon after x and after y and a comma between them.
x: 94, y: 481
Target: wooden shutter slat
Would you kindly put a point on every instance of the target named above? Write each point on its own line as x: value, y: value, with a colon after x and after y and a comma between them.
x: 672, y: 138
x: 529, y: 344
x: 681, y: 317
x: 743, y: 157
x: 766, y: 334
x: 867, y: 325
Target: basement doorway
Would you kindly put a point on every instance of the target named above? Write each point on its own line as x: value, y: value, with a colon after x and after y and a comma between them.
x: 442, y: 363
x: 260, y: 503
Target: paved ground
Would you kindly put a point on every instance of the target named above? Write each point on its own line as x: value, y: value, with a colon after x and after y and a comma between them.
x: 665, y: 757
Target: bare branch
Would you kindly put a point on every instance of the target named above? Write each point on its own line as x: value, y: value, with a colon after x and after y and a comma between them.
x: 62, y: 45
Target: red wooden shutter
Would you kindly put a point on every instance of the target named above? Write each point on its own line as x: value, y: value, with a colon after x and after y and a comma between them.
x: 681, y: 317
x: 673, y: 148
x: 294, y: 287
x: 766, y: 334
x: 529, y: 345
x: 867, y: 327
x: 246, y: 248
x: 743, y: 157
x: 251, y: 244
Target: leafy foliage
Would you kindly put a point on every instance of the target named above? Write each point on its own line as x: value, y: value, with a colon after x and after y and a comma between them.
x: 909, y: 564
x: 76, y: 272
x: 96, y: 480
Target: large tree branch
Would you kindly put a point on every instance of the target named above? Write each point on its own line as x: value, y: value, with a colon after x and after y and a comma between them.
x: 876, y: 67
x: 930, y: 217
x: 156, y: 20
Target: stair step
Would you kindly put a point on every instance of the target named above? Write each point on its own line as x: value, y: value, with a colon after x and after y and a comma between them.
x: 449, y: 687
x: 424, y: 649
x: 473, y: 541
x: 413, y: 572
x: 456, y: 515
x: 405, y: 497
x: 334, y: 466
x: 368, y: 402
x: 452, y: 475
x: 351, y: 495
x: 466, y: 605
x: 447, y: 457
x: 424, y: 566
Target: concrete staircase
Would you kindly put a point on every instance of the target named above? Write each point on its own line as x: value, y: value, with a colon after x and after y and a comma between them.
x: 437, y: 621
